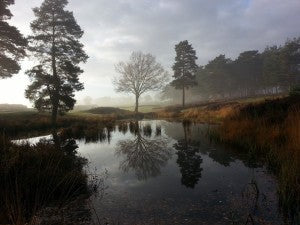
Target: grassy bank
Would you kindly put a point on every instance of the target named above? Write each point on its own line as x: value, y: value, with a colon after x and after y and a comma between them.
x: 213, y: 112
x: 208, y: 111
x: 34, y: 123
x: 270, y: 130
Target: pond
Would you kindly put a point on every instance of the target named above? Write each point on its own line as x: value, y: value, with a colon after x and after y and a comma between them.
x: 159, y: 172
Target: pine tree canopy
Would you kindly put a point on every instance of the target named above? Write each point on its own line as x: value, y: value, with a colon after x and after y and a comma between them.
x: 12, y: 43
x: 185, y: 66
x: 55, y: 44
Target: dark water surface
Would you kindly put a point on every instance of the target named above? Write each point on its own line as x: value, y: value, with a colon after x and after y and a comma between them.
x: 169, y: 173
x: 159, y: 172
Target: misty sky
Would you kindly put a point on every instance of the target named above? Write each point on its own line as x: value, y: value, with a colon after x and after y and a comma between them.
x: 115, y: 28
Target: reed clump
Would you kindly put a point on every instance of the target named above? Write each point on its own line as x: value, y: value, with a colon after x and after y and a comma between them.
x: 271, y: 130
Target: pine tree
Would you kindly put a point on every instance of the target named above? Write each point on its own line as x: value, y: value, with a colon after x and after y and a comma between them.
x: 55, y: 44
x: 271, y: 69
x: 249, y: 68
x: 12, y: 43
x: 219, y: 76
x: 184, y: 68
x: 289, y: 63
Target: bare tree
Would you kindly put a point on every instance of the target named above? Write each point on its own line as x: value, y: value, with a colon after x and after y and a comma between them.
x: 139, y: 75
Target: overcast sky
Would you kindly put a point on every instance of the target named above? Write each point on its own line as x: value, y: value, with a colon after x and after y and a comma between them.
x: 115, y: 28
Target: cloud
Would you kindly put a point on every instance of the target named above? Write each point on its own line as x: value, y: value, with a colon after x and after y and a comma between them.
x: 113, y: 29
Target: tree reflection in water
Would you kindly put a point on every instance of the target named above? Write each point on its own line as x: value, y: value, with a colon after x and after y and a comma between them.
x: 188, y: 159
x: 143, y: 155
x: 66, y: 144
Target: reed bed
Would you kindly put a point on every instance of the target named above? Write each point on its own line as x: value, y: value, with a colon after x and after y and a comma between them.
x: 271, y: 130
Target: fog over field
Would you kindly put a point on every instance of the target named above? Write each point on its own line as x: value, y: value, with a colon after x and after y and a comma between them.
x: 113, y: 29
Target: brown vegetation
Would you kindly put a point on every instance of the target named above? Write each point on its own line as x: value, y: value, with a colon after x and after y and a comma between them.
x: 213, y: 112
x: 268, y: 129
x: 33, y: 177
x: 31, y: 123
x: 272, y: 131
x: 18, y: 124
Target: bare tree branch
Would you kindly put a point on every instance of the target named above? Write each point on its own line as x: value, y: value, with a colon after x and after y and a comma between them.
x: 139, y: 75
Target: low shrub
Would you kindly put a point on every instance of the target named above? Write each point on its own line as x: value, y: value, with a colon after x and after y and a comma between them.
x: 33, y: 177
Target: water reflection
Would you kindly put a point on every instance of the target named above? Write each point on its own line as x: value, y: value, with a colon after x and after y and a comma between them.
x: 123, y: 127
x: 66, y: 144
x: 95, y: 135
x: 189, y: 159
x: 143, y: 155
x: 219, y: 155
x: 215, y: 176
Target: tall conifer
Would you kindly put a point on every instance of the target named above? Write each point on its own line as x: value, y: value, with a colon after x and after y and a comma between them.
x: 56, y: 46
x: 184, y: 68
x: 12, y: 43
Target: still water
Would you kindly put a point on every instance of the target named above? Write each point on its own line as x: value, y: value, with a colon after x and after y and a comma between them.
x: 159, y: 172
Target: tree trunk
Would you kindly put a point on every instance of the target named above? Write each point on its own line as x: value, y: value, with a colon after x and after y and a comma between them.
x: 56, y: 138
x: 54, y: 115
x: 55, y: 100
x: 136, y: 104
x: 183, y: 97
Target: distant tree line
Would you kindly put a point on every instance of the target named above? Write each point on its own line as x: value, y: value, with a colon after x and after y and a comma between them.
x: 273, y: 71
x: 12, y: 107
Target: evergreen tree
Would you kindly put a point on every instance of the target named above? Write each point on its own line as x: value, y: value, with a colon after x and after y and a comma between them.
x: 204, y: 85
x: 220, y: 78
x: 248, y: 67
x: 184, y: 68
x: 12, y: 43
x: 290, y: 64
x: 55, y: 44
x: 275, y: 70
x: 271, y: 69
